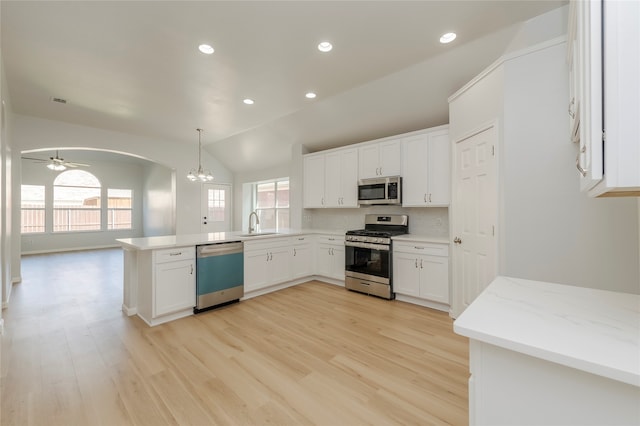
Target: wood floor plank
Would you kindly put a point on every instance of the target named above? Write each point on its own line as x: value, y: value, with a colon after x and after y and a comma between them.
x: 312, y: 354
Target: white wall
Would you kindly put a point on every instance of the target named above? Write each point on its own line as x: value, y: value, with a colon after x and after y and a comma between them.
x: 549, y: 231
x: 552, y: 231
x: 35, y: 133
x: 158, y: 204
x: 6, y: 204
x: 117, y: 175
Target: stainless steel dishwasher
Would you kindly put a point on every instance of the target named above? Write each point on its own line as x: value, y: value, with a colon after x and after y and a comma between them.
x: 219, y: 274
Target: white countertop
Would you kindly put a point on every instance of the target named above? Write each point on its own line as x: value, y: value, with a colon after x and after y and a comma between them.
x: 592, y: 330
x: 171, y: 241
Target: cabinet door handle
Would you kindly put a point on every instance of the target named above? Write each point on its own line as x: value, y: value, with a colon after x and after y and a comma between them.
x: 457, y: 240
x: 191, y: 272
x: 270, y: 256
x: 429, y: 197
x: 416, y: 263
x: 267, y: 257
x: 420, y: 263
x: 294, y: 252
x: 425, y: 197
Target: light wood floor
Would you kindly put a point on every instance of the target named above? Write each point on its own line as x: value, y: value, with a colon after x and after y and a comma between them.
x: 310, y: 354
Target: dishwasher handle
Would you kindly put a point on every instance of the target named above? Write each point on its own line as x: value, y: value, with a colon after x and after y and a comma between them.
x: 219, y: 249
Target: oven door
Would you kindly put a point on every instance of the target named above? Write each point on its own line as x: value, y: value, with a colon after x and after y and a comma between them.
x: 368, y: 261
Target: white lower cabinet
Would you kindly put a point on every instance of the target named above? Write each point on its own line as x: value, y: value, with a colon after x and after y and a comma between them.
x: 421, y: 271
x: 301, y: 257
x: 175, y: 287
x: 330, y: 257
x: 266, y: 263
x: 166, y: 284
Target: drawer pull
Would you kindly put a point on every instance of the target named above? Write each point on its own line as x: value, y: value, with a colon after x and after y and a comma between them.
x: 418, y: 247
x: 175, y: 254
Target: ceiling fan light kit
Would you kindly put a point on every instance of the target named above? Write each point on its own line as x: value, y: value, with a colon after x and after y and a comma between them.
x: 57, y: 167
x: 199, y: 175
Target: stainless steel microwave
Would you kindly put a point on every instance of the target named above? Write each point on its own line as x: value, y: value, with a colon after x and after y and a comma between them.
x: 384, y: 190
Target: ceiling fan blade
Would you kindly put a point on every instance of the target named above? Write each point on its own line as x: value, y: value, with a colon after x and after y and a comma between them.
x: 74, y: 164
x: 35, y: 159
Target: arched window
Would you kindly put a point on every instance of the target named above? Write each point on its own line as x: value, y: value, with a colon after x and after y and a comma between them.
x: 76, y: 202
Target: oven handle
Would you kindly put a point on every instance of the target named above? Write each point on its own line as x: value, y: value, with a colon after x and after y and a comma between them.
x: 381, y: 247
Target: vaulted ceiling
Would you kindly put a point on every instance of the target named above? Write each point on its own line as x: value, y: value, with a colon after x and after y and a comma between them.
x: 134, y: 67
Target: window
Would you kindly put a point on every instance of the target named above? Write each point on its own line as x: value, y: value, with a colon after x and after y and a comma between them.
x: 272, y: 204
x: 216, y: 205
x: 32, y: 209
x: 76, y: 202
x: 119, y: 208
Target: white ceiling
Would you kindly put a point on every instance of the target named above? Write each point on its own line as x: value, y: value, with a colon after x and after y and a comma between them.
x: 134, y: 67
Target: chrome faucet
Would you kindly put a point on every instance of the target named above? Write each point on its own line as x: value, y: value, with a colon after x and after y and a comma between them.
x: 251, y: 228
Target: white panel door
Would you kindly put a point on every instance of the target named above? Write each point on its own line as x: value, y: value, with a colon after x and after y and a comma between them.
x: 216, y: 208
x: 474, y: 216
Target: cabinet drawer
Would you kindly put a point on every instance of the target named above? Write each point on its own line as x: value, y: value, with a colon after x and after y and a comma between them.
x: 174, y: 254
x: 266, y: 244
x: 301, y: 239
x: 337, y: 240
x: 430, y: 249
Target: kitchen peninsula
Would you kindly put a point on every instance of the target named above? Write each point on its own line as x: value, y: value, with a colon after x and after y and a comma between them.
x: 543, y: 353
x: 159, y: 272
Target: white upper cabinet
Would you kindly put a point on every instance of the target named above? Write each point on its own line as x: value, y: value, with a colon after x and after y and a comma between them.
x: 331, y: 179
x: 313, y: 181
x: 604, y: 62
x: 380, y: 159
x: 426, y: 169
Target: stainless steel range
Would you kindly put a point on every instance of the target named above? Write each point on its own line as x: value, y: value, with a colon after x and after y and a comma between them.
x: 368, y: 257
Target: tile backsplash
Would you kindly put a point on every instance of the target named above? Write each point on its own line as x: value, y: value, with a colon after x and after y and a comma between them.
x: 426, y: 221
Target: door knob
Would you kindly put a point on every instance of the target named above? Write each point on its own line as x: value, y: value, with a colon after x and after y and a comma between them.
x: 457, y: 240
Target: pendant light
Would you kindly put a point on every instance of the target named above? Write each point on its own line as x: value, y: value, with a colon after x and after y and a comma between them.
x: 200, y: 174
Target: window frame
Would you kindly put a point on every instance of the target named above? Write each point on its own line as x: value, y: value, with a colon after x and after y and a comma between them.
x: 110, y: 210
x: 43, y: 209
x: 277, y: 210
x: 70, y: 210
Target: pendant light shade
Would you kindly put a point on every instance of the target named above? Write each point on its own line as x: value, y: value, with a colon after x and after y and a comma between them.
x: 199, y: 175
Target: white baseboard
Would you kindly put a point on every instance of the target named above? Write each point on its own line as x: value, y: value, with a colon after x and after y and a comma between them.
x: 28, y: 253
x: 422, y: 302
x: 129, y: 311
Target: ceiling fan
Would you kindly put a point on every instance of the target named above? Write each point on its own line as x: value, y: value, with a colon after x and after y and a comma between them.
x: 57, y: 163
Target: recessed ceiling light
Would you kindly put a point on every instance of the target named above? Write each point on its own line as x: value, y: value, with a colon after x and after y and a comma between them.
x: 310, y: 95
x: 248, y: 101
x: 325, y: 46
x: 205, y: 48
x: 447, y: 38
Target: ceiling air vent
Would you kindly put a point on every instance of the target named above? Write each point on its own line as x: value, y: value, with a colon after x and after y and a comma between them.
x: 58, y: 100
